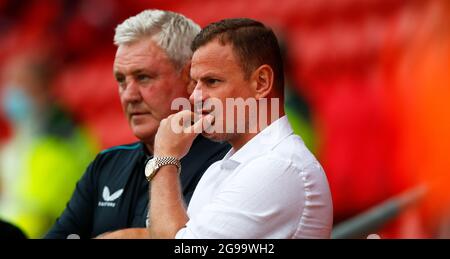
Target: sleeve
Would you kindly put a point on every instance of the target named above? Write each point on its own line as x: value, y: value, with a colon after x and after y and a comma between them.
x: 265, y: 199
x: 77, y: 216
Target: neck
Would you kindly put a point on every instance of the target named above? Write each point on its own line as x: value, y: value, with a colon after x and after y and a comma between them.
x: 149, y: 146
x: 239, y: 140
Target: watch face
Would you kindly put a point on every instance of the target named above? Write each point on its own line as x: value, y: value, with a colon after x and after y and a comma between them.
x: 150, y: 167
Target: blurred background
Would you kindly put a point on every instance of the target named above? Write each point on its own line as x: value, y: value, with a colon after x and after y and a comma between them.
x: 368, y: 90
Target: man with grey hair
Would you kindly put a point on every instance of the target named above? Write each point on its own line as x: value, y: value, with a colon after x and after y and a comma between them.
x: 151, y: 68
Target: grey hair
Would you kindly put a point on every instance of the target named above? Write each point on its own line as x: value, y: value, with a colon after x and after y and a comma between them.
x: 172, y: 32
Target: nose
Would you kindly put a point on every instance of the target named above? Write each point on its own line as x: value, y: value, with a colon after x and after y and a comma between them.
x: 132, y: 93
x: 198, y: 95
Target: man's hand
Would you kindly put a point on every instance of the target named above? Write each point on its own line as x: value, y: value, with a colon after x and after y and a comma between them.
x: 129, y: 233
x: 176, y: 134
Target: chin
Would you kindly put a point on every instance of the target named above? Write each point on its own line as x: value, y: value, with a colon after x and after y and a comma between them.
x: 217, y: 137
x: 145, y: 134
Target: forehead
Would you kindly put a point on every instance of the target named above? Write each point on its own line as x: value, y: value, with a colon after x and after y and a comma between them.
x: 214, y: 57
x: 143, y: 54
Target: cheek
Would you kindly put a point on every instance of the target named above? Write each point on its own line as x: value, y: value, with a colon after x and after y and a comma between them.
x: 123, y: 103
x: 158, y: 101
x: 173, y: 90
x: 190, y: 88
x: 151, y: 93
x: 241, y: 89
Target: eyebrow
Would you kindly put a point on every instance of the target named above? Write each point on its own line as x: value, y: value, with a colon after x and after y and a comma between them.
x: 209, y: 75
x: 206, y: 78
x: 134, y: 72
x: 117, y: 74
x: 139, y: 71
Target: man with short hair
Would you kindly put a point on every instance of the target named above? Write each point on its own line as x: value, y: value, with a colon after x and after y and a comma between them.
x: 151, y: 68
x: 268, y: 185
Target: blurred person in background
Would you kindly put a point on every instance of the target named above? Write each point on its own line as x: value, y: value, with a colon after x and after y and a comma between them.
x: 151, y: 68
x: 8, y: 231
x: 42, y: 160
x: 296, y: 106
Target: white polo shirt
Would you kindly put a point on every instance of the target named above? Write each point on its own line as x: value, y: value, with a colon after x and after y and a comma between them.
x: 273, y: 187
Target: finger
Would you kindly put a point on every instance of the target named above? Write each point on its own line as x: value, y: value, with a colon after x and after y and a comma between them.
x: 184, y: 114
x: 208, y: 123
x: 209, y: 118
x: 185, y: 118
x: 198, y: 126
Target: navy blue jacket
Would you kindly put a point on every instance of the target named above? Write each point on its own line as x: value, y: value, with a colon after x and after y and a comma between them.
x: 113, y: 193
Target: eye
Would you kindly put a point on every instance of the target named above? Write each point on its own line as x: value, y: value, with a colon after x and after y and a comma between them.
x: 121, y: 81
x: 212, y: 81
x: 142, y: 78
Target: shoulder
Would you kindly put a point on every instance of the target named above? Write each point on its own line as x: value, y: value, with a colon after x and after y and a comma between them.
x: 289, y: 162
x: 121, y: 152
x: 115, y: 159
x: 293, y: 150
x: 269, y: 169
x: 122, y: 149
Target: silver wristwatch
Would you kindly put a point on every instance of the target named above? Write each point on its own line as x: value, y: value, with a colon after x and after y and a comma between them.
x: 154, y: 164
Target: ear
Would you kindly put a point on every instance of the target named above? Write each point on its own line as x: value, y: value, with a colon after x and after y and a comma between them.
x: 262, y: 79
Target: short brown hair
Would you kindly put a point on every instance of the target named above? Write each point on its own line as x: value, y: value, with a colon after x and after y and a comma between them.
x: 253, y: 43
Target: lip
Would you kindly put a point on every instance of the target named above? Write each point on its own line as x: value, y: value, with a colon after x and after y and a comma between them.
x: 133, y: 114
x: 206, y: 112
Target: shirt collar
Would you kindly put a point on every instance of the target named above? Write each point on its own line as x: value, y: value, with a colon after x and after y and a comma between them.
x: 264, y: 141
